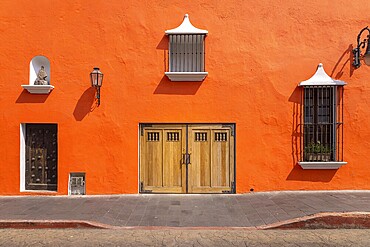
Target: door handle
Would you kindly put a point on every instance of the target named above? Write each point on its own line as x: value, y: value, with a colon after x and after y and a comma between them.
x: 185, y: 159
x: 188, y: 159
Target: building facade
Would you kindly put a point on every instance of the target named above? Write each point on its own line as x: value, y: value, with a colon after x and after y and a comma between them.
x: 197, y: 97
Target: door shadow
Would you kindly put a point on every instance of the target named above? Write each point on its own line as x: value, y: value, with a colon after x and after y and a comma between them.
x: 85, y: 104
x: 26, y: 97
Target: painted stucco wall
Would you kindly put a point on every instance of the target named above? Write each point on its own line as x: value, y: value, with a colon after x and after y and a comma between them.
x: 256, y: 54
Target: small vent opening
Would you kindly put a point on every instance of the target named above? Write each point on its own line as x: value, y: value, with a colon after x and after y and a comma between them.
x: 77, y: 185
x: 153, y: 137
x: 173, y: 136
x: 220, y: 137
x: 201, y: 136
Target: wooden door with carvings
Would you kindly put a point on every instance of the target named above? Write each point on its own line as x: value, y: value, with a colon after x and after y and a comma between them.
x: 41, y: 157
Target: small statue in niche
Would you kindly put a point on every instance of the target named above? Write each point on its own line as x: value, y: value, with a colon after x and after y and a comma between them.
x: 41, y: 77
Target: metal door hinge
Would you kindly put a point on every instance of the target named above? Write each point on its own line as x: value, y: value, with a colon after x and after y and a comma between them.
x: 142, y: 126
x: 230, y: 191
x: 232, y: 128
x: 142, y: 188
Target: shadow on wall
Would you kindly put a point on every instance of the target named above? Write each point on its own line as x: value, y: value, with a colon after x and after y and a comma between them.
x: 85, y: 104
x: 26, y: 97
x: 163, y: 45
x: 297, y: 173
x: 337, y: 71
x: 295, y: 98
x: 166, y: 86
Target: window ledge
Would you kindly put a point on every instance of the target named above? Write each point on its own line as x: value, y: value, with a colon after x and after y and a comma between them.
x: 322, y: 165
x: 39, y: 191
x: 186, y: 76
x: 38, y: 89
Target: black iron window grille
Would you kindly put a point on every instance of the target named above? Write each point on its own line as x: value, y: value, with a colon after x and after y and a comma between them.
x: 186, y: 53
x: 322, y: 123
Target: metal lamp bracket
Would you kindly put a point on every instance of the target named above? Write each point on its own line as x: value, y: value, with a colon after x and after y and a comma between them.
x: 360, y: 44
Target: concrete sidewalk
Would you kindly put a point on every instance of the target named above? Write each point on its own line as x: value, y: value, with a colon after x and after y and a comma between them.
x: 248, y: 210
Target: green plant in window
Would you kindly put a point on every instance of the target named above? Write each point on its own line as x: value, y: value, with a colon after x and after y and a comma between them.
x: 316, y: 148
x: 317, y: 152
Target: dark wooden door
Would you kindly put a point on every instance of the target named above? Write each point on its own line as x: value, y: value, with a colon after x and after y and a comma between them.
x: 41, y: 157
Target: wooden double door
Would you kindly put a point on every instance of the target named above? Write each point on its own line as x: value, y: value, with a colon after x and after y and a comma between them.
x: 187, y: 158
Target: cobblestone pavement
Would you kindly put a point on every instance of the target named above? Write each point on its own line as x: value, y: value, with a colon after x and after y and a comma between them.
x: 247, y: 210
x: 214, y: 238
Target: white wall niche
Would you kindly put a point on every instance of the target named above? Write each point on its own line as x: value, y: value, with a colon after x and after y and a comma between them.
x: 35, y: 66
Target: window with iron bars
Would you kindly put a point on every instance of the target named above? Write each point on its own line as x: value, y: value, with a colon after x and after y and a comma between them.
x: 322, y: 124
x: 186, y: 53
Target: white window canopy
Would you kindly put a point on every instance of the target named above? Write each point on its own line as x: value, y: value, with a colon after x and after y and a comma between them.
x: 186, y: 52
x: 186, y: 28
x: 320, y: 78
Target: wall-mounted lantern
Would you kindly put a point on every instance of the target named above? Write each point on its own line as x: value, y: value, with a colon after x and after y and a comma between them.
x: 96, y: 77
x: 357, y: 50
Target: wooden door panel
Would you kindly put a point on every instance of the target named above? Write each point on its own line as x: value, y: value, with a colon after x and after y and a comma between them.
x: 212, y: 165
x: 172, y: 166
x: 161, y: 169
x: 220, y: 158
x: 154, y: 157
x: 200, y: 167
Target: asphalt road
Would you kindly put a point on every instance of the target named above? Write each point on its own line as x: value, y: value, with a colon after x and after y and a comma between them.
x: 88, y: 237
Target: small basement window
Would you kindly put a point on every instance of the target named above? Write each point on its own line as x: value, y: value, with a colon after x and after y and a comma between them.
x: 322, y: 122
x: 186, y: 52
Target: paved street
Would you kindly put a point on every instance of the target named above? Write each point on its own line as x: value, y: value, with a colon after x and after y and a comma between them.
x: 214, y: 238
x: 248, y: 210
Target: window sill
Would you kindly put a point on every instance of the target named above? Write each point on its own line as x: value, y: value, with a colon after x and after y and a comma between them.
x: 186, y: 76
x: 39, y: 191
x: 38, y: 89
x: 332, y: 165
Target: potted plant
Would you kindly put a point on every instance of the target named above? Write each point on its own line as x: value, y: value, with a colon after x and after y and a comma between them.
x: 317, y: 152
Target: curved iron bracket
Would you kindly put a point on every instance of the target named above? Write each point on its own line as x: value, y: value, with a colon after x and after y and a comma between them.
x: 360, y: 44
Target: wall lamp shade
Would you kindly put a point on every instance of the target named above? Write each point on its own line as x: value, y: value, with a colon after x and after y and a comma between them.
x: 360, y: 45
x: 96, y: 77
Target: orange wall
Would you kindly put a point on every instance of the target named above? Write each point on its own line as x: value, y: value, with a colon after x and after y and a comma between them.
x: 256, y: 54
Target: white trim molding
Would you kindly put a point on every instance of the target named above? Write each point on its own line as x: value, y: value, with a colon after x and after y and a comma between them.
x: 186, y: 76
x: 38, y: 89
x: 331, y: 165
x: 22, y: 153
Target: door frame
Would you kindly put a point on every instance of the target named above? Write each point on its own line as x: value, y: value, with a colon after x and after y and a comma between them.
x: 148, y: 124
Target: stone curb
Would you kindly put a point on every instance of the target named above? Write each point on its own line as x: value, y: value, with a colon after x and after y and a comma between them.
x: 51, y: 224
x: 348, y: 220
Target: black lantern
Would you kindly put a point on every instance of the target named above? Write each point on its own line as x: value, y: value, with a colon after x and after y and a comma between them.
x: 96, y: 77
x: 357, y: 50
